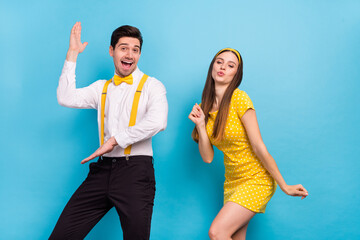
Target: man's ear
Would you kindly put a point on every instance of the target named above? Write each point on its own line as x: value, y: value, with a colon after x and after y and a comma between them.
x: 111, y: 51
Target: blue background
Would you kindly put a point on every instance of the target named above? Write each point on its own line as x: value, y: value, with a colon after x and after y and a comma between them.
x: 301, y: 69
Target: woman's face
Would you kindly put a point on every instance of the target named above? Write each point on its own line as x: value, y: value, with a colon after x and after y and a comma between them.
x: 224, y: 68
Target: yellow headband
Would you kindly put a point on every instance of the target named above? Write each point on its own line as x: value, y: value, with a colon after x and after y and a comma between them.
x: 232, y: 50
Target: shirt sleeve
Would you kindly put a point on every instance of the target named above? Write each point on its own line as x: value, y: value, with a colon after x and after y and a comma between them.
x: 243, y: 103
x: 155, y: 119
x: 70, y: 96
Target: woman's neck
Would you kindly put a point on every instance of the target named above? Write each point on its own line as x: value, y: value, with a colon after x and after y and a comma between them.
x: 219, y: 93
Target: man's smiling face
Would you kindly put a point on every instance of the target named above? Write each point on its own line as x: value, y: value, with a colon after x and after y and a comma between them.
x: 125, y: 55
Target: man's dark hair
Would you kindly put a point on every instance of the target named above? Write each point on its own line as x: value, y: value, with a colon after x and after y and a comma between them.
x: 125, y: 31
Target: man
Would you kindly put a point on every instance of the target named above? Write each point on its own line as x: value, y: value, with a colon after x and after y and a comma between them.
x: 131, y: 109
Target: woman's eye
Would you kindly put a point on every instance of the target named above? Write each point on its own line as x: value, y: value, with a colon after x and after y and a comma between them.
x: 231, y: 66
x: 218, y: 62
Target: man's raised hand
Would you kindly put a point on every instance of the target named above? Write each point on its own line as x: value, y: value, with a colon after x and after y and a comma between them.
x: 75, y: 46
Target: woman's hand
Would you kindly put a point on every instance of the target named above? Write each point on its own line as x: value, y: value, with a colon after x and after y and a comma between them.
x: 205, y: 147
x: 197, y: 116
x: 296, y: 190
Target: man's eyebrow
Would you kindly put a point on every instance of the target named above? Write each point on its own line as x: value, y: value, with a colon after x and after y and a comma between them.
x: 126, y: 44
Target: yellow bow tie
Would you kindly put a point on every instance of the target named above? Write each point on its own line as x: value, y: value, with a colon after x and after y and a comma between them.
x: 128, y: 79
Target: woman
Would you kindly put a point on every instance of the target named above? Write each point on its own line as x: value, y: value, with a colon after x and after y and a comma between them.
x: 227, y: 119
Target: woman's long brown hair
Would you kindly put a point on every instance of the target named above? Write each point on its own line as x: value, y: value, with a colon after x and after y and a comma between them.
x: 208, y: 99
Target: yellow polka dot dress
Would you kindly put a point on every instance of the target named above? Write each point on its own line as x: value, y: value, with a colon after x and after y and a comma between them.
x: 247, y: 182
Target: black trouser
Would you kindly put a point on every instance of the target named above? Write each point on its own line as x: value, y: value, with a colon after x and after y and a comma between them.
x: 129, y: 185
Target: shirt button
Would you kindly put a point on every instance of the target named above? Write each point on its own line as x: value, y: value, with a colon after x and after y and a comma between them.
x: 114, y: 160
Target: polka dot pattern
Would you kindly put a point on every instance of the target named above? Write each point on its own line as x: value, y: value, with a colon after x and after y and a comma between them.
x: 247, y: 182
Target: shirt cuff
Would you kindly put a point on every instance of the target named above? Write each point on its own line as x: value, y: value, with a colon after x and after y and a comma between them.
x: 69, y: 62
x: 121, y: 139
x: 69, y: 67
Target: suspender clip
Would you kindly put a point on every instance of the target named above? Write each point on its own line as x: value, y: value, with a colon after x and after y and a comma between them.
x: 127, y: 157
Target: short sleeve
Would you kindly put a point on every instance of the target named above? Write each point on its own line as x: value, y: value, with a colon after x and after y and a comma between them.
x: 243, y: 102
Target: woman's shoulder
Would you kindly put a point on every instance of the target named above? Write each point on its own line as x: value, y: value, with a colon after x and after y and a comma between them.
x: 239, y: 95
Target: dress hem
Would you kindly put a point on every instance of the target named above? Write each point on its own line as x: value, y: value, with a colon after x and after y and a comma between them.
x: 244, y: 207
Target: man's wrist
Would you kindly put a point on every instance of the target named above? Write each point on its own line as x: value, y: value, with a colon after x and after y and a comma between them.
x: 113, y: 141
x: 71, y: 55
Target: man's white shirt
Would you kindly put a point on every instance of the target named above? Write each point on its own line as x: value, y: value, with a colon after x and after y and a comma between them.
x: 151, y: 115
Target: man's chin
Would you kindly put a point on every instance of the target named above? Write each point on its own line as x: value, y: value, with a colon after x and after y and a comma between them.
x: 126, y: 72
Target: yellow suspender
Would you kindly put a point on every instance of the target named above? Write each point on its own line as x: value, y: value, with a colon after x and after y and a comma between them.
x: 134, y: 108
x: 103, y: 99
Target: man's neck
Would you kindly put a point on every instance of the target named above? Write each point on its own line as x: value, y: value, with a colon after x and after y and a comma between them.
x: 121, y: 75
